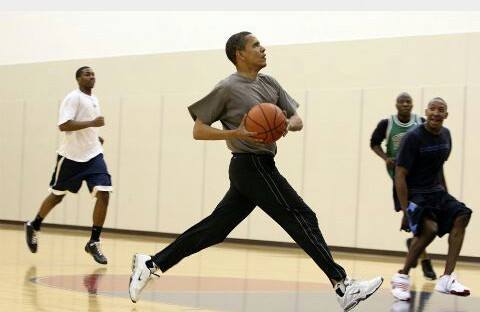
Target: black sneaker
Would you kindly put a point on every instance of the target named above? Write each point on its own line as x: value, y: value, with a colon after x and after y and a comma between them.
x: 31, y: 236
x: 428, y: 271
x: 93, y: 248
x: 409, y: 242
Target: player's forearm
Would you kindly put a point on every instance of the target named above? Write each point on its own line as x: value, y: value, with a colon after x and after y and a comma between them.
x: 205, y: 132
x: 295, y: 123
x: 73, y: 125
x: 401, y: 188
x: 377, y: 149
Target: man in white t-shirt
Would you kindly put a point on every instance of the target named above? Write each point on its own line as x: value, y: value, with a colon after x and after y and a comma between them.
x: 80, y: 158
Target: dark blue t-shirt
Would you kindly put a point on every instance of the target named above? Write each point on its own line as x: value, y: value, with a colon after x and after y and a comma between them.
x: 423, y: 153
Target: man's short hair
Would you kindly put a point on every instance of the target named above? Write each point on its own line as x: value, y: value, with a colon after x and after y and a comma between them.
x: 437, y: 99
x: 79, y: 71
x: 404, y: 95
x: 236, y: 43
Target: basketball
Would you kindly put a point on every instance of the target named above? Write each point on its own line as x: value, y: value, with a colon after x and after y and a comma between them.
x: 267, y: 120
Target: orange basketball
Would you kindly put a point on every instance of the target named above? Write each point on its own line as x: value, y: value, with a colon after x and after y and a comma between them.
x: 267, y: 120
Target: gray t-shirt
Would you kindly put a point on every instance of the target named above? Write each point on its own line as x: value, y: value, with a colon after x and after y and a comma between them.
x: 233, y: 97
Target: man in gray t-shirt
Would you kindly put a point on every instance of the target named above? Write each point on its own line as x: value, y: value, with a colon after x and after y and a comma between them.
x: 233, y: 97
x: 254, y: 178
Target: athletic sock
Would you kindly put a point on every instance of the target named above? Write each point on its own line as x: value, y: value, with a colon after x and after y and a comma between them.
x: 37, y: 223
x: 151, y: 265
x: 96, y: 231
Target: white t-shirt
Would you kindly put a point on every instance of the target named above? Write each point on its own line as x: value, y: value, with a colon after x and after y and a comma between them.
x: 81, y: 145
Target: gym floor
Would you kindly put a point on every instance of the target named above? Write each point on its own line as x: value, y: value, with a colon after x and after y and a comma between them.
x: 226, y: 277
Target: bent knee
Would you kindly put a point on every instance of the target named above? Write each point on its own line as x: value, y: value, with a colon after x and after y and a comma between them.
x: 462, y: 221
x: 430, y: 228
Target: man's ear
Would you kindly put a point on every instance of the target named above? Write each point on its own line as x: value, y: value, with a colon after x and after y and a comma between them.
x: 238, y: 54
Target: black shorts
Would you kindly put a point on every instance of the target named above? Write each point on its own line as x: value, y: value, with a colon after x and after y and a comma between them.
x: 69, y: 175
x: 440, y: 207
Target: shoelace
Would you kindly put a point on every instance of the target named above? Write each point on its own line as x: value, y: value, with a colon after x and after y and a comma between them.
x: 349, y: 281
x: 99, y: 250
x: 451, y: 281
x: 34, y: 238
x: 351, y: 285
x: 152, y: 271
x: 454, y: 282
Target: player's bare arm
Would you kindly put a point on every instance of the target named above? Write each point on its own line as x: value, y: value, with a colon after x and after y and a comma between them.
x: 202, y: 131
x: 73, y: 125
x: 381, y: 153
x: 295, y: 123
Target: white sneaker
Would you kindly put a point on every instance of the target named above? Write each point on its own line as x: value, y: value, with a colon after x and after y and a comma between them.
x: 401, y: 286
x: 448, y: 284
x: 141, y: 274
x: 356, y: 291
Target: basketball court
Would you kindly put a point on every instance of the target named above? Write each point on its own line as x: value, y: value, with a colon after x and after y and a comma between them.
x: 227, y: 277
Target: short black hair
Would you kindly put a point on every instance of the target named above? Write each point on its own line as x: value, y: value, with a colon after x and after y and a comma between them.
x: 403, y: 95
x: 235, y: 43
x: 78, y: 73
x: 438, y: 100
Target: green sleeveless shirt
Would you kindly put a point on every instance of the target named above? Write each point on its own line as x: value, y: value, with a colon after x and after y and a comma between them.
x: 395, y: 131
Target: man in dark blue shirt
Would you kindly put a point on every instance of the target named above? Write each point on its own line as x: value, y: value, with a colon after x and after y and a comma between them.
x: 424, y: 199
x: 391, y: 130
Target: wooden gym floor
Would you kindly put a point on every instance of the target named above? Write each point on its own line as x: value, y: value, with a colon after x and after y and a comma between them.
x: 227, y: 277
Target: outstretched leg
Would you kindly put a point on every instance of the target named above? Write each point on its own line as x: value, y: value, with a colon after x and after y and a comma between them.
x: 212, y: 230
x: 274, y: 195
x: 271, y: 191
x: 32, y: 227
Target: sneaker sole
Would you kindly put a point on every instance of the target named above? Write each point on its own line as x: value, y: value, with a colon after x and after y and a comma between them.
x: 362, y: 299
x: 130, y: 282
x: 129, y: 294
x: 134, y: 264
x: 460, y: 294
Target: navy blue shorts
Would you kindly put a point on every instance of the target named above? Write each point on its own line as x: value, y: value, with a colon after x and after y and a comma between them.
x: 69, y: 175
x: 440, y: 207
